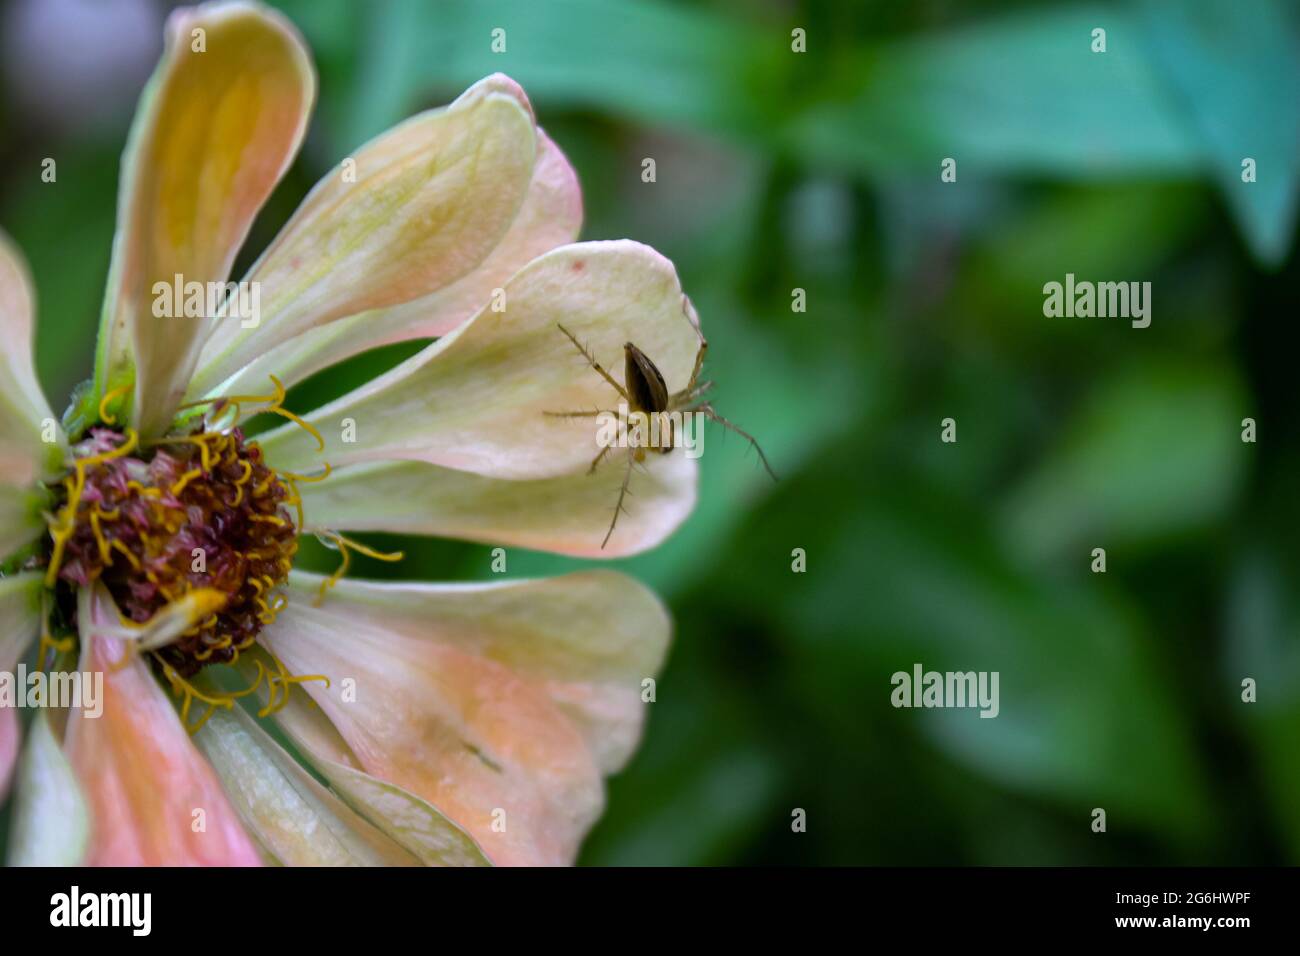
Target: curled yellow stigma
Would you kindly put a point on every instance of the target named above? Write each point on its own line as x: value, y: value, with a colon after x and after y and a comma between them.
x: 279, y: 684
x: 273, y: 404
x: 292, y: 480
x: 345, y: 546
x: 107, y: 400
x: 182, y: 687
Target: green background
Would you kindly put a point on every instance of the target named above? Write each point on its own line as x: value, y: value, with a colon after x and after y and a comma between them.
x: 779, y: 170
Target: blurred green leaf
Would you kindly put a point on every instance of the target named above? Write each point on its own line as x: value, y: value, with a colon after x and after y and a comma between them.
x: 1234, y: 70
x: 652, y: 61
x: 1019, y: 93
x: 1182, y: 88
x: 1086, y: 717
x: 1261, y: 640
x: 691, y: 798
x: 65, y: 229
x: 1087, y: 231
x: 1155, y: 451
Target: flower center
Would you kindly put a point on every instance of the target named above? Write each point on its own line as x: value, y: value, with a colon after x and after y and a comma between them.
x: 153, y: 524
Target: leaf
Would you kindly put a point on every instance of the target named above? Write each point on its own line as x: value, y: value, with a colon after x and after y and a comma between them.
x: 654, y: 61
x: 1085, y: 720
x: 906, y: 572
x: 65, y: 229
x: 1261, y: 641
x: 1234, y: 73
x: 1154, y: 452
x: 690, y: 799
x: 1019, y: 93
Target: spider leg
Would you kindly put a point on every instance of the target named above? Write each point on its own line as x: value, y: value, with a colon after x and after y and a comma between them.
x: 592, y: 414
x: 591, y: 360
x: 712, y: 415
x: 597, y: 460
x: 687, y: 396
x: 622, y: 493
x: 699, y: 356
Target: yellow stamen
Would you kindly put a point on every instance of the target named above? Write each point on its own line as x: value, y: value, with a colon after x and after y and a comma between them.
x: 302, y: 423
x: 288, y: 680
x: 211, y: 649
x: 280, y: 684
x: 309, y: 479
x: 184, y: 480
x: 142, y: 490
x: 181, y: 686
x: 275, y: 399
x: 63, y: 646
x: 292, y: 478
x: 108, y: 398
x: 274, y: 406
x: 100, y: 541
x: 67, y: 516
x: 130, y: 650
x: 135, y: 562
x: 203, y: 441
x: 345, y: 546
x: 241, y: 481
x: 261, y: 673
x: 272, y: 691
x: 295, y: 500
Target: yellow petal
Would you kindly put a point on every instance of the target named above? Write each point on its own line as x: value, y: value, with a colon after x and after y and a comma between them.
x: 215, y: 130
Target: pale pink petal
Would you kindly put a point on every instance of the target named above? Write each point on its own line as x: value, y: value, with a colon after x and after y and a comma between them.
x: 476, y: 399
x: 154, y: 800
x: 500, y: 704
x: 569, y: 514
x: 8, y: 747
x: 20, y: 621
x: 411, y: 212
x: 407, y: 819
x: 550, y: 216
x: 297, y: 820
x: 25, y: 416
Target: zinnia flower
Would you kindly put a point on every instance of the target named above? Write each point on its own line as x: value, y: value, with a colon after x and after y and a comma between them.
x: 145, y: 537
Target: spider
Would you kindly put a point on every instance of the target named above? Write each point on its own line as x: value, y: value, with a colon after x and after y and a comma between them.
x: 646, y: 394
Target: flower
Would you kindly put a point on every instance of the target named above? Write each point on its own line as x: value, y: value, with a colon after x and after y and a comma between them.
x: 146, y: 539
